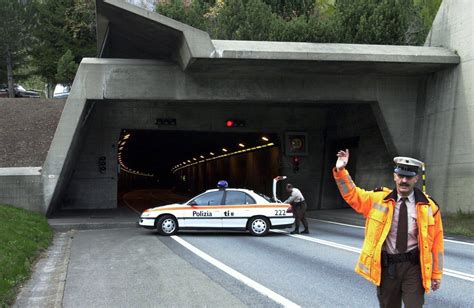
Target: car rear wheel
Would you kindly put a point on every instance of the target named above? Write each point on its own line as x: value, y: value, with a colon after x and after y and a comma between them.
x: 258, y: 226
x: 167, y: 225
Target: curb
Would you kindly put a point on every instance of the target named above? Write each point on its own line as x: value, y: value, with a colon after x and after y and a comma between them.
x: 65, y: 226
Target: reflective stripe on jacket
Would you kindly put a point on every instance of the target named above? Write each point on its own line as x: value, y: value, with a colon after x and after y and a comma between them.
x: 377, y: 207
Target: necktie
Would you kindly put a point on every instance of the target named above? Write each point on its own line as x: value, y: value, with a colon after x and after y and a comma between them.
x: 402, y: 229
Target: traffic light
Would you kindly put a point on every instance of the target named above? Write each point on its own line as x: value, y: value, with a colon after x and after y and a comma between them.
x: 102, y: 164
x: 234, y: 123
x: 296, y: 163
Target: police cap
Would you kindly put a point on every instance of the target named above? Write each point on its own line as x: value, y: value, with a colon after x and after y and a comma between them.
x: 407, y: 166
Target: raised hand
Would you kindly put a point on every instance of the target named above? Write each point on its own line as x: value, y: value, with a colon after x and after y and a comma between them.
x: 342, y: 159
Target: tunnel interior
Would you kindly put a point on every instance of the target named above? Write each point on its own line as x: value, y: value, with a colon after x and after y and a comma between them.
x: 172, y: 166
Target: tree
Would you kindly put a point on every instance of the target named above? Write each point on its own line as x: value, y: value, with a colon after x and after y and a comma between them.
x: 13, y: 37
x: 289, y: 9
x: 345, y: 21
x: 244, y: 20
x: 427, y: 12
x: 67, y: 68
x: 62, y: 25
x: 373, y: 21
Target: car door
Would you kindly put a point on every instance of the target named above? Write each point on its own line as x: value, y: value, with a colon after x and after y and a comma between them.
x: 205, y: 210
x: 237, y: 209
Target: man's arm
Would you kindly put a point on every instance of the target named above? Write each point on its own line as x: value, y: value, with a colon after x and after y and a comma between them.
x: 438, y: 252
x: 359, y: 199
x: 291, y: 198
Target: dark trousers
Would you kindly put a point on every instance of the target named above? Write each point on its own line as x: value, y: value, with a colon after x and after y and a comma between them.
x: 299, y: 212
x: 406, y: 286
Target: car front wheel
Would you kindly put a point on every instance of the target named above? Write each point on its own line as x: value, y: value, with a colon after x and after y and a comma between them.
x: 167, y: 225
x: 258, y: 226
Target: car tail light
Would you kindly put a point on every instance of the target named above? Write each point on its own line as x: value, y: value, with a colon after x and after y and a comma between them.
x: 289, y: 209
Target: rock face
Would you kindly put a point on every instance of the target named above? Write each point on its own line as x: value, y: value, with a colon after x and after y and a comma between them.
x: 27, y: 126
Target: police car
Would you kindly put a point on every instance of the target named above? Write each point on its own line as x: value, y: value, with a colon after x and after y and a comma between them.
x: 221, y: 208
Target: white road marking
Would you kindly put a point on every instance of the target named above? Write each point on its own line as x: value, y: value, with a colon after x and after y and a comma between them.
x: 457, y: 274
x: 338, y: 223
x: 459, y: 242
x: 242, y: 278
x: 361, y: 227
x: 322, y: 242
x: 446, y: 271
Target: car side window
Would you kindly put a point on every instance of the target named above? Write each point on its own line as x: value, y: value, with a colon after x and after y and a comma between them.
x: 210, y: 198
x: 238, y: 197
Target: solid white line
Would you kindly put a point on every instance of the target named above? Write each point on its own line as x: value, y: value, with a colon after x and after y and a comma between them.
x: 361, y: 227
x: 338, y: 223
x: 244, y: 279
x: 447, y: 272
x: 322, y: 242
x: 457, y: 274
x: 459, y: 242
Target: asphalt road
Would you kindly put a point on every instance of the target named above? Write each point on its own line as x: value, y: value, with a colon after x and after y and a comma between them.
x: 138, y: 268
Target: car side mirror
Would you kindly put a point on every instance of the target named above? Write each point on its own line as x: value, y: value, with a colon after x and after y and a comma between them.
x: 192, y: 203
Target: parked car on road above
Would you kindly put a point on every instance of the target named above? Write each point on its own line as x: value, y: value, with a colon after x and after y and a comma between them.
x: 19, y: 91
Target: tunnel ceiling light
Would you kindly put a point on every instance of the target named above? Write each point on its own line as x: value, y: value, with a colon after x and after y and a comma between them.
x: 265, y: 138
x: 224, y: 150
x: 241, y: 145
x: 126, y: 136
x: 189, y: 161
x: 178, y: 167
x: 121, y: 148
x: 194, y: 158
x: 123, y: 143
x: 210, y: 153
x: 202, y: 157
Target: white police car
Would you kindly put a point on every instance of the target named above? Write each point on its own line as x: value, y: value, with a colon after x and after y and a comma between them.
x: 222, y: 208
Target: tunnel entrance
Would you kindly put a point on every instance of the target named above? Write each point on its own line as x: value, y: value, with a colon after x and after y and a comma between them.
x: 125, y: 152
x: 159, y: 167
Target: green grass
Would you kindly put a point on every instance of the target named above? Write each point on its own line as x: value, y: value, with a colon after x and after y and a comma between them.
x: 459, y: 224
x: 23, y: 235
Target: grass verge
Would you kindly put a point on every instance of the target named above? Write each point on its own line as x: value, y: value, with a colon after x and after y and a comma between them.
x: 23, y: 235
x: 459, y: 224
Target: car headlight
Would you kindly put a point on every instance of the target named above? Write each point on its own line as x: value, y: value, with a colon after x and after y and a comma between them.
x: 145, y: 214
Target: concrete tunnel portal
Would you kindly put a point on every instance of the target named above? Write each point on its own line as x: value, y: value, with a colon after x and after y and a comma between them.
x: 143, y: 154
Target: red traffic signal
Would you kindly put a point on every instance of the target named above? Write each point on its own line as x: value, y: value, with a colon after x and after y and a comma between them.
x: 296, y: 163
x: 234, y: 123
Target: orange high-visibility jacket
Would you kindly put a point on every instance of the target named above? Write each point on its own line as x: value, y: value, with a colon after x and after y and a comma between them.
x: 377, y: 207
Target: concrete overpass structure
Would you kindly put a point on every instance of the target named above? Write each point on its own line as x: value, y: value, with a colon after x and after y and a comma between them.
x: 379, y: 101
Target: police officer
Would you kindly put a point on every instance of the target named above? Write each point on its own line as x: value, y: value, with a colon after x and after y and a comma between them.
x: 403, y: 246
x: 296, y: 199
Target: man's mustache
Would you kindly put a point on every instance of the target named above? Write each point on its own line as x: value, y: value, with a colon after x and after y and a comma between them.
x: 405, y: 184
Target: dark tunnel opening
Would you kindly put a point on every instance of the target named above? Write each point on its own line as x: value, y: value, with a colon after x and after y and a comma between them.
x: 158, y: 167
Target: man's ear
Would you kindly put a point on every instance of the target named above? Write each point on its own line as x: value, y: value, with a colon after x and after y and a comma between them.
x: 416, y: 178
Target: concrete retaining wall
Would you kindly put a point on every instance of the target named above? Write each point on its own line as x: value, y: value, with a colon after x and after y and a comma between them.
x: 446, y: 136
x: 22, y: 187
